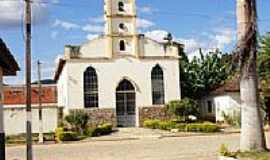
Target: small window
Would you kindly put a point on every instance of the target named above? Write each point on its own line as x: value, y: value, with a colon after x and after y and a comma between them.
x: 121, y: 6
x: 122, y: 27
x: 209, y: 106
x: 122, y: 45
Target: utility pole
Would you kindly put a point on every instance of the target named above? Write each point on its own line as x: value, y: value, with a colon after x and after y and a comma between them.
x: 252, y: 134
x: 40, y: 136
x: 2, y: 131
x: 28, y: 24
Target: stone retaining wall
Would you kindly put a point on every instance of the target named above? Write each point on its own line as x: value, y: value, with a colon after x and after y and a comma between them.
x: 146, y: 113
x: 100, y: 116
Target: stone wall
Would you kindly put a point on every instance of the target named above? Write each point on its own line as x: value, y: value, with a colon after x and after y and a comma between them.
x: 146, y: 113
x: 100, y: 116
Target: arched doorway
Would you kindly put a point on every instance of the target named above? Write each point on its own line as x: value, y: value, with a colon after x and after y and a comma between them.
x: 125, y: 104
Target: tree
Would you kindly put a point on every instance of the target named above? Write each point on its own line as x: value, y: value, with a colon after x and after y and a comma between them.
x: 203, y: 74
x: 184, y: 108
x: 252, y: 135
x: 263, y: 68
x: 264, y: 56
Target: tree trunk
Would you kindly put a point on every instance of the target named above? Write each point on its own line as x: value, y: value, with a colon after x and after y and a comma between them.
x: 252, y: 135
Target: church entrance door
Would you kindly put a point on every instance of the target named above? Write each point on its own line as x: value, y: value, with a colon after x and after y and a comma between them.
x: 125, y: 104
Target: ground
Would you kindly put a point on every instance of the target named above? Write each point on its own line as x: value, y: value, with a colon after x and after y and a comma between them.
x: 147, y: 148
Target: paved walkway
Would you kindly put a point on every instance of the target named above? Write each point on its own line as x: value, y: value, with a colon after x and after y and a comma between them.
x: 144, y: 148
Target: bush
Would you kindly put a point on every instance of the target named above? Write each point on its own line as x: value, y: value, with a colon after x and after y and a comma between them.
x: 181, y: 127
x: 224, y: 151
x: 62, y: 135
x: 152, y: 124
x: 166, y: 125
x: 78, y: 121
x: 183, y: 108
x: 233, y: 119
x: 103, y: 129
x: 202, y: 127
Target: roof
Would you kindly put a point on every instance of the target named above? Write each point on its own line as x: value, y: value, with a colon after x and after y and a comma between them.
x: 15, y: 95
x: 230, y: 85
x: 233, y: 85
x: 7, y: 61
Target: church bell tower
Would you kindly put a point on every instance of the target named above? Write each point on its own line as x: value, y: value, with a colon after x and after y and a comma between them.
x: 120, y: 27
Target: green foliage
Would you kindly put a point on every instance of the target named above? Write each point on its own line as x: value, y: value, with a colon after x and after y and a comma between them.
x: 233, y: 119
x: 183, y: 108
x: 152, y: 124
x: 202, y: 74
x: 202, y: 127
x: 254, y: 155
x: 224, y: 151
x: 263, y: 59
x: 78, y: 121
x: 62, y: 135
x: 183, y: 127
x: 103, y: 129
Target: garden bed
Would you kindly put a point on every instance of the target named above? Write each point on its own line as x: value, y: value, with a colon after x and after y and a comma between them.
x: 205, y: 127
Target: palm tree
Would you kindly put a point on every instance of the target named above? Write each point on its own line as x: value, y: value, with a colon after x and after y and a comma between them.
x: 252, y: 135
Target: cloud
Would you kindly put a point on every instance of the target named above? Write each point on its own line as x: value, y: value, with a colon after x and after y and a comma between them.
x: 219, y: 38
x: 144, y: 23
x: 12, y: 13
x: 98, y: 19
x: 65, y: 24
x: 93, y: 28
x: 208, y: 41
x: 91, y: 36
x: 146, y: 10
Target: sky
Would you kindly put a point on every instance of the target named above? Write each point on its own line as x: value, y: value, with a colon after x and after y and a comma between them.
x: 206, y: 24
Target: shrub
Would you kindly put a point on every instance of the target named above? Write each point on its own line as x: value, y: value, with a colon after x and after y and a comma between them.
x: 181, y: 127
x: 224, y: 151
x: 233, y: 119
x: 152, y: 124
x: 166, y: 125
x: 78, y: 121
x: 202, y: 127
x: 62, y: 135
x: 103, y: 129
x: 183, y: 108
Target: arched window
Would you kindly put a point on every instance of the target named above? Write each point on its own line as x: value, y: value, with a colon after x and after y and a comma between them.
x: 121, y: 6
x: 90, y: 88
x: 122, y: 45
x: 157, y: 86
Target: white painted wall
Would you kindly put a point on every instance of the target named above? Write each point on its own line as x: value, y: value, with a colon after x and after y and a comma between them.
x: 229, y: 103
x: 15, y: 117
x: 110, y: 73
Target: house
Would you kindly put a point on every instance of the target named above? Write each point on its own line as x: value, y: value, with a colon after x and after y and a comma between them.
x: 8, y: 67
x: 121, y: 77
x: 224, y: 99
x: 15, y: 110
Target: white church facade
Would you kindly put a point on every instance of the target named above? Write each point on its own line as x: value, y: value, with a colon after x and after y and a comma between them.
x: 119, y: 75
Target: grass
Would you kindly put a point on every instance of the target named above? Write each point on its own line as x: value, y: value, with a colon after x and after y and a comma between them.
x: 254, y: 156
x: 21, y: 138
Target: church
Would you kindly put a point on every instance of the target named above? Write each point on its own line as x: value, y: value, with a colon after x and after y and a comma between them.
x: 120, y: 77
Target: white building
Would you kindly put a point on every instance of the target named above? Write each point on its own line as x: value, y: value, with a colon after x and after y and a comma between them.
x: 119, y: 72
x: 224, y: 100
